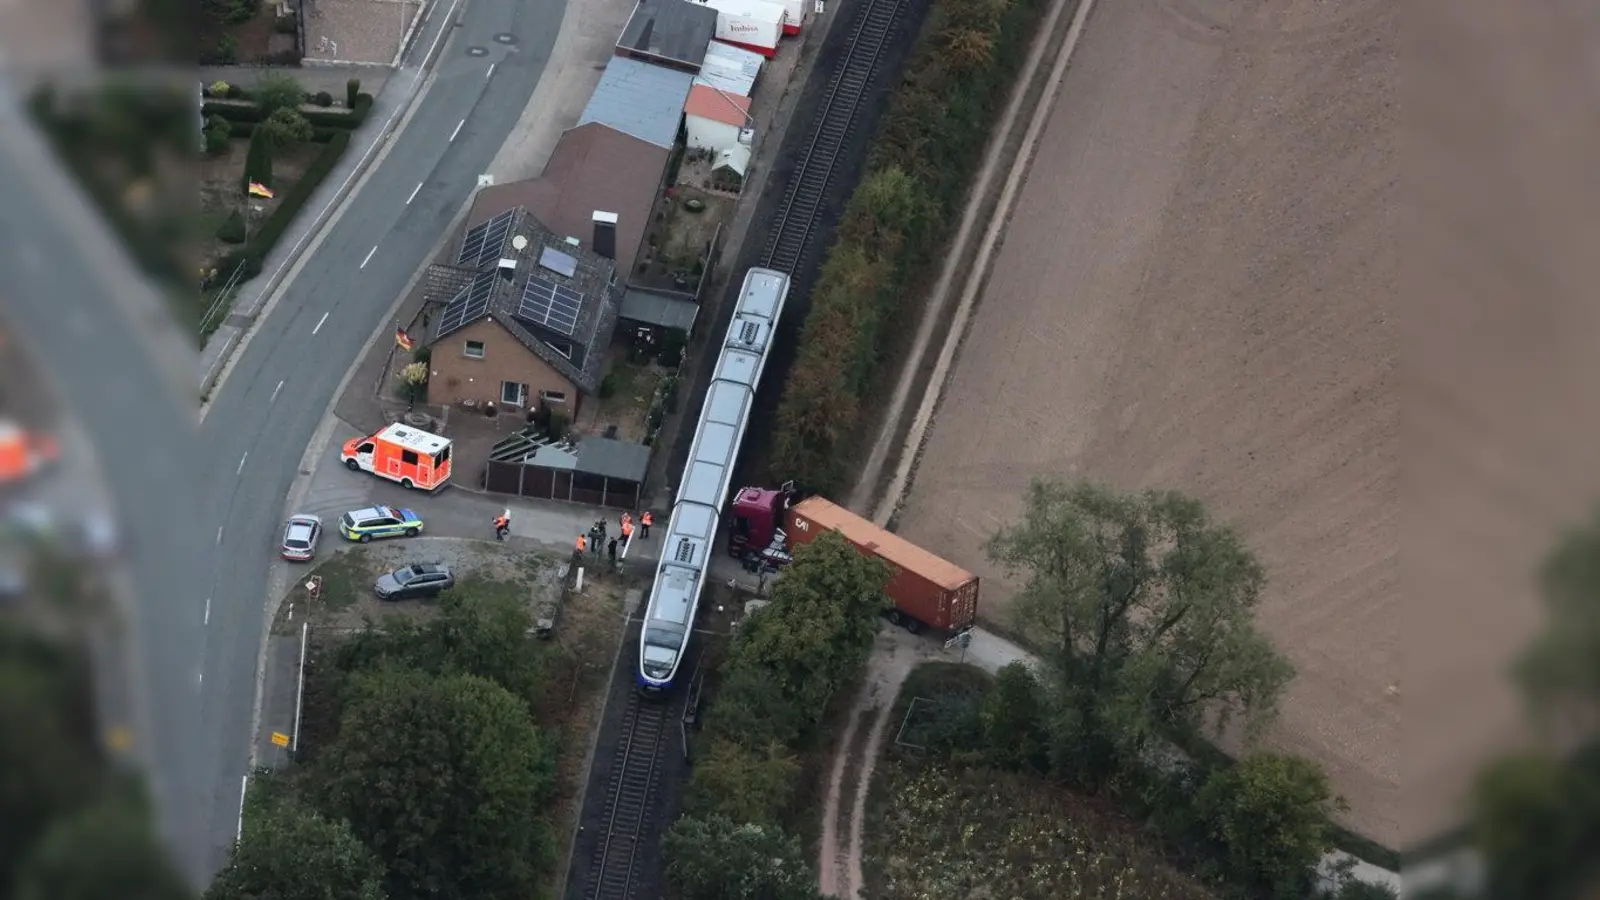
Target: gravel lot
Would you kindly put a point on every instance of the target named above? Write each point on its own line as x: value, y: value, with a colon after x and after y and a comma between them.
x: 1196, y: 291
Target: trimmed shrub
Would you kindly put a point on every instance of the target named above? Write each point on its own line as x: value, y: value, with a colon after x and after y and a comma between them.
x: 218, y: 133
x: 232, y: 229
x: 608, y: 386
x: 352, y: 90
x: 285, y: 24
x: 323, y: 99
x: 258, y: 162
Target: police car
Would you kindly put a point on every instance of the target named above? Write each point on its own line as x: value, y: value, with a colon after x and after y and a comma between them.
x: 379, y: 522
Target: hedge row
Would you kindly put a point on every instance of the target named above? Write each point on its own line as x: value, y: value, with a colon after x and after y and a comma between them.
x: 321, y: 134
x: 249, y: 113
x: 266, y: 236
x: 931, y: 140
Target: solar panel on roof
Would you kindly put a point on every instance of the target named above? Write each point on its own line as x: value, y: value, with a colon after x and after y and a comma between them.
x: 558, y: 262
x: 485, y: 243
x: 550, y: 305
x: 469, y: 305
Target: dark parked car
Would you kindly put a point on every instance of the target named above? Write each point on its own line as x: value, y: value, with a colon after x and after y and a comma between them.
x: 415, y: 580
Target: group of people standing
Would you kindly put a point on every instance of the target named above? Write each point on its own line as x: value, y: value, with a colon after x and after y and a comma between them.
x: 596, y: 537
x: 591, y: 542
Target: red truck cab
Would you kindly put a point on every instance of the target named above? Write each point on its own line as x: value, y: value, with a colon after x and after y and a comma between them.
x: 755, y: 518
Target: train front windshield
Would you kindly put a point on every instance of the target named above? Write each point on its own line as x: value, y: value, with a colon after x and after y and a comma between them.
x: 663, y: 641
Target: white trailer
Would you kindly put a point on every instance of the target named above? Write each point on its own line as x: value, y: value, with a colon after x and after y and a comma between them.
x: 752, y: 24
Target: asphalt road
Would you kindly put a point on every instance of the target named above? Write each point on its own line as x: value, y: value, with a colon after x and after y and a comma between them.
x: 217, y: 495
x: 263, y: 415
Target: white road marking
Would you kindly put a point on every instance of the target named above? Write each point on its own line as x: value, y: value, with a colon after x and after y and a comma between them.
x: 208, y: 611
x: 458, y: 129
x: 244, y: 782
x: 414, y: 193
x: 200, y: 677
x: 219, y: 534
x: 319, y: 323
x: 280, y: 386
x: 240, y: 470
x: 369, y: 256
x: 489, y: 74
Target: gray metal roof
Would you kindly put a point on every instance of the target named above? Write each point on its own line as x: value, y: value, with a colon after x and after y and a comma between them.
x: 639, y: 99
x: 673, y: 30
x: 651, y: 308
x: 729, y: 68
x: 613, y: 458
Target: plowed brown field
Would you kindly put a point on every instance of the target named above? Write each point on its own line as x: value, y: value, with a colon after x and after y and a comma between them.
x: 1198, y: 290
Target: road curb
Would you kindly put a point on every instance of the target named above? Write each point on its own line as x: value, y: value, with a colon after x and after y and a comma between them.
x: 212, y: 374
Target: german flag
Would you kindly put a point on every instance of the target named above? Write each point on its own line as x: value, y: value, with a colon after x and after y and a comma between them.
x: 404, y: 340
x: 257, y: 189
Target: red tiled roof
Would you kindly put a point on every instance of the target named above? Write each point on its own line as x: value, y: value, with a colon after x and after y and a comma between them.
x: 719, y: 106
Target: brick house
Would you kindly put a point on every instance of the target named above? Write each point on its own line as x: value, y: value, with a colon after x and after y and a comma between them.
x: 530, y: 316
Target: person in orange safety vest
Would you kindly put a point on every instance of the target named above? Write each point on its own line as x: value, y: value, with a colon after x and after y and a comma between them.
x: 645, y: 521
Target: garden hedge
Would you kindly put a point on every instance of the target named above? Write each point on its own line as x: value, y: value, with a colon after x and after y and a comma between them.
x: 922, y: 160
x: 249, y: 113
x: 267, y: 234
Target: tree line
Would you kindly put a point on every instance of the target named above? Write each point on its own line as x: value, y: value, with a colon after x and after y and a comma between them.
x: 436, y: 779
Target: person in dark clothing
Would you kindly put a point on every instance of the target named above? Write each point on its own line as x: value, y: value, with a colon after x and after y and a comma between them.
x: 611, y: 549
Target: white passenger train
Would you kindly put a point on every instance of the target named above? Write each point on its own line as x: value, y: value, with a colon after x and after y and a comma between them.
x: 707, y: 476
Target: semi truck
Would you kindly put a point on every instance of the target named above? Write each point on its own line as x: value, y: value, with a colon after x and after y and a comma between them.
x: 928, y: 591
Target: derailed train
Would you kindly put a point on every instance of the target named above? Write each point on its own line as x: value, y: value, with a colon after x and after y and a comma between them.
x: 707, y: 479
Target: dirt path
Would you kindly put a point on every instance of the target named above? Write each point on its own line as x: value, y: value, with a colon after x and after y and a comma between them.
x: 897, y: 652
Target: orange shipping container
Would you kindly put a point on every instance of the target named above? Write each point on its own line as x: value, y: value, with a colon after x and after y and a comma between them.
x: 926, y: 589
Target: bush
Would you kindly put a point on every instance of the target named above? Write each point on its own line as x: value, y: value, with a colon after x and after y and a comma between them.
x: 218, y: 133
x: 558, y: 424
x: 258, y: 162
x: 218, y: 89
x: 352, y: 90
x: 672, y: 343
x: 608, y: 386
x: 232, y: 229
x: 324, y: 99
x: 1270, y: 813
x: 227, y: 50
x: 285, y: 24
x: 717, y: 858
x: 278, y: 91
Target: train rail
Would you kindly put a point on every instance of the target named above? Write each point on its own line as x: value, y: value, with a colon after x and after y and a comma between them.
x: 631, y: 811
x: 808, y: 184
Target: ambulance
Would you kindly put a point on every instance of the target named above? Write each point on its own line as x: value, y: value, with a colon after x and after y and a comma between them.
x: 410, y: 456
x: 24, y: 453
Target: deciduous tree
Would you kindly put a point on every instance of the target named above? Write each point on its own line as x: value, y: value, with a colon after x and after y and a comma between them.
x: 1144, y: 609
x: 445, y: 778
x: 715, y: 858
x: 1536, y: 823
x: 820, y: 625
x: 1271, y: 813
x: 475, y: 632
x: 292, y: 852
x: 743, y: 783
x: 1013, y: 715
x: 1560, y: 671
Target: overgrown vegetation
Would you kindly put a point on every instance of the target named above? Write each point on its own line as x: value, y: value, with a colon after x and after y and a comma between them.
x: 429, y: 774
x: 76, y: 828
x: 904, y: 209
x: 782, y: 671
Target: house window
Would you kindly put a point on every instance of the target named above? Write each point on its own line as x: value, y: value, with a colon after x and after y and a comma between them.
x: 563, y: 349
x: 552, y: 397
x: 513, y: 393
x: 473, y: 349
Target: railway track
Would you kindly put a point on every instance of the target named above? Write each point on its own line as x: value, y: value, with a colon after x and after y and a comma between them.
x: 630, y: 809
x: 808, y: 185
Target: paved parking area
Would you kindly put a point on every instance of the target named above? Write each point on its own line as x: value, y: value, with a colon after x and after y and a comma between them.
x: 358, y: 31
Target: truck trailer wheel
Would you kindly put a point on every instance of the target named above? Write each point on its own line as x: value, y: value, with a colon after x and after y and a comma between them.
x: 895, y: 618
x: 913, y: 626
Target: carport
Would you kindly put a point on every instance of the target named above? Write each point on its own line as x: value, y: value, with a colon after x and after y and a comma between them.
x: 598, y: 471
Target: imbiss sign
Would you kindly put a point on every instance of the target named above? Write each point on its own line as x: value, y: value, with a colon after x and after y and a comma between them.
x: 736, y: 27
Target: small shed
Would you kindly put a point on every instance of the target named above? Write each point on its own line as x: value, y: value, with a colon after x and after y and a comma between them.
x: 715, y: 119
x: 730, y: 167
x: 597, y: 471
x: 658, y: 310
x: 639, y: 99
x: 729, y: 68
x: 672, y: 33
